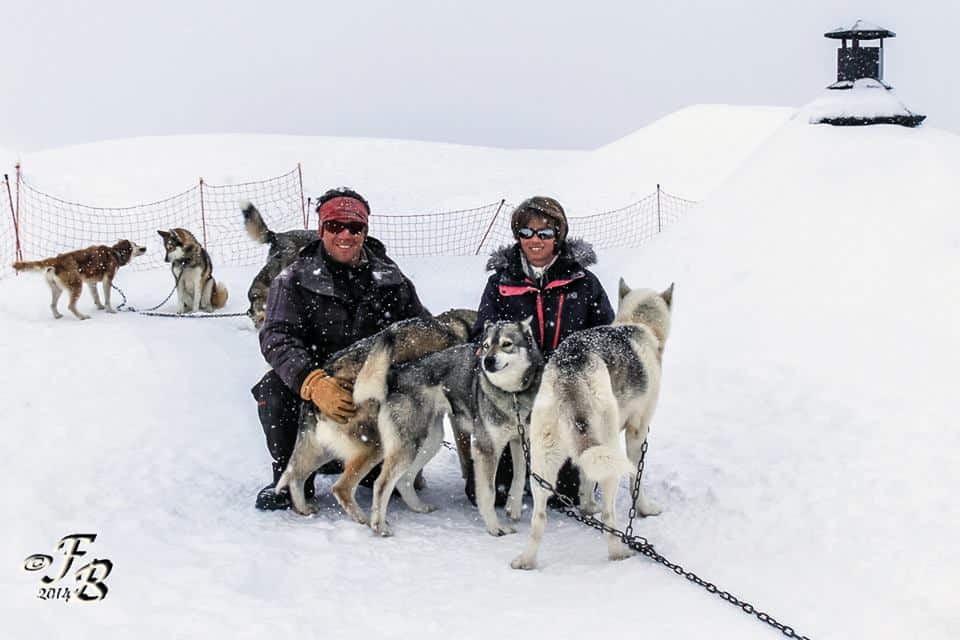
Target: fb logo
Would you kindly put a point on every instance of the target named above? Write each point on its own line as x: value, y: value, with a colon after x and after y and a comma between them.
x: 89, y: 578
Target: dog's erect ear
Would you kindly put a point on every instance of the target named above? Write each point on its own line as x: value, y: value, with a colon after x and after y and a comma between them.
x: 486, y: 325
x: 527, y: 324
x: 163, y: 234
x: 668, y: 295
x: 624, y: 289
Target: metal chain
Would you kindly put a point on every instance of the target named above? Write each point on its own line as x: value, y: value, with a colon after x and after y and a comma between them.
x: 637, y: 542
x: 152, y: 311
x: 628, y: 530
x: 120, y: 307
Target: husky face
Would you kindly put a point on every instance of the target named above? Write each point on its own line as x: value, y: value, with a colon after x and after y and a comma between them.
x: 646, y: 307
x: 177, y: 244
x: 508, y: 354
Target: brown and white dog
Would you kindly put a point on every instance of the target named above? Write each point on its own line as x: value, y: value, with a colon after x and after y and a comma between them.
x: 68, y: 272
x: 193, y: 272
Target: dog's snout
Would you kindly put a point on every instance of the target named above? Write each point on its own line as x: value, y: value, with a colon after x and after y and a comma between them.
x: 490, y: 363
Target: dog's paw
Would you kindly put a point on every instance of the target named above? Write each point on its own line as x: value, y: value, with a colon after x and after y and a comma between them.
x: 515, y: 514
x: 355, y: 514
x: 621, y: 553
x: 382, y: 529
x: 423, y: 507
x: 57, y: 316
x: 523, y: 562
x: 111, y: 310
x: 307, y: 510
x: 83, y: 317
x: 648, y: 508
x: 501, y: 530
x: 589, y: 507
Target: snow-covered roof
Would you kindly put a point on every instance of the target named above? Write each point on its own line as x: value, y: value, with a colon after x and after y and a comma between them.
x: 867, y: 99
x: 861, y: 30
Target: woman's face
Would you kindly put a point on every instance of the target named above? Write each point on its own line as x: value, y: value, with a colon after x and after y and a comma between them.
x: 539, y: 252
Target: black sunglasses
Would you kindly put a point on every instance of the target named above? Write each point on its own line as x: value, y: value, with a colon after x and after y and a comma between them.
x: 335, y: 227
x: 526, y: 233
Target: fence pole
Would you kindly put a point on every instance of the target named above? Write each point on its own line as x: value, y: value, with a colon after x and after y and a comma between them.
x: 489, y: 227
x: 16, y: 226
x: 19, y: 245
x: 659, y: 223
x: 303, y: 208
x: 203, y: 216
x: 309, y: 208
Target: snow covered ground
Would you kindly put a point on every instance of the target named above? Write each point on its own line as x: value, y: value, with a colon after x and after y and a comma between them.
x: 802, y: 449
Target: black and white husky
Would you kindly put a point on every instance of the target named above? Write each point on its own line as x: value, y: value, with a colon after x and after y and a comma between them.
x: 284, y: 249
x: 599, y: 382
x: 193, y: 272
x: 482, y: 390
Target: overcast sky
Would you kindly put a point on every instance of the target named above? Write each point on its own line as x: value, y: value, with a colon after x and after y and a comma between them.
x: 509, y: 74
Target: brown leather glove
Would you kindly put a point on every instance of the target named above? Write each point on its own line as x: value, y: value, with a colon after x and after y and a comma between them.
x: 333, y: 397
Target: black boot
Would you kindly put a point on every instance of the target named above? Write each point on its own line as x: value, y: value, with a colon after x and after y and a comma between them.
x: 269, y: 500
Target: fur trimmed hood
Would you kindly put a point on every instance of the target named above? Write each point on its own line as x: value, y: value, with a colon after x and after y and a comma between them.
x: 575, y: 250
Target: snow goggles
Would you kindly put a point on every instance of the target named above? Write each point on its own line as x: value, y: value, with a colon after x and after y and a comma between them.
x: 526, y: 233
x: 336, y: 226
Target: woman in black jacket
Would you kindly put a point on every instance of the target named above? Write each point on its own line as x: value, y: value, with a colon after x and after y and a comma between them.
x: 543, y: 276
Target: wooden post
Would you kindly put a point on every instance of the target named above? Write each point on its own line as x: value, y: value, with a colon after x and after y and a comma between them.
x: 19, y: 180
x: 203, y: 216
x: 489, y: 227
x: 659, y: 222
x: 16, y: 223
x: 303, y: 208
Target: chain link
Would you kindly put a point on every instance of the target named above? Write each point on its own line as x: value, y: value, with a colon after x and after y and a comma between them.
x: 152, y: 311
x: 637, y: 542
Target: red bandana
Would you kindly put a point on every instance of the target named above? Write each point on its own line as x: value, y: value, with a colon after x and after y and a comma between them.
x: 343, y: 209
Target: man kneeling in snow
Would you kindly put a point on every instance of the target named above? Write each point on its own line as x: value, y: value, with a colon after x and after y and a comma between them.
x: 342, y: 288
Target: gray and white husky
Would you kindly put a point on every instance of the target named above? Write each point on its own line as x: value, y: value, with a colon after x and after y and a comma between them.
x: 482, y: 390
x: 193, y: 272
x: 599, y: 382
x: 358, y: 442
x: 284, y: 249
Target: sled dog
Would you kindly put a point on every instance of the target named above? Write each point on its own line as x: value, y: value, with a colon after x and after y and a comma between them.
x: 193, y: 272
x: 68, y: 272
x: 599, y: 382
x: 482, y: 391
x: 284, y: 249
x: 358, y: 443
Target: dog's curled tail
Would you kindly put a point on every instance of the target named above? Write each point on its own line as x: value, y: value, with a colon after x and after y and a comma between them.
x: 219, y: 295
x: 254, y: 224
x: 604, y: 463
x: 371, y: 382
x: 39, y: 265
